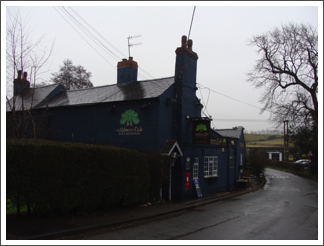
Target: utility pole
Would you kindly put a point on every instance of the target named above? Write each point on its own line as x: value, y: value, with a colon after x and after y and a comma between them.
x: 286, y: 140
x: 130, y: 45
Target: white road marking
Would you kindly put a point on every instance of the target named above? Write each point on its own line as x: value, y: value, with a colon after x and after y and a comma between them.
x: 278, y: 177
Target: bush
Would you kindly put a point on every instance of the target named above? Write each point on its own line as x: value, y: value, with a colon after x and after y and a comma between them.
x: 159, y: 168
x: 272, y: 137
x: 55, y: 177
x: 288, y: 166
x: 256, y: 161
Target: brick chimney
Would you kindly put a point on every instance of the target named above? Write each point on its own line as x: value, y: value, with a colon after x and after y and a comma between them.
x: 185, y: 91
x: 186, y: 48
x: 186, y: 63
x: 20, y: 84
x: 127, y: 71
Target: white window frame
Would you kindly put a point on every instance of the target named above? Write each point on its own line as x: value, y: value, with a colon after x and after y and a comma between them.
x: 210, y: 166
x: 195, y: 169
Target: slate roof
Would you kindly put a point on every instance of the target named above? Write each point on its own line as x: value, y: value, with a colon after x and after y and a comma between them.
x: 33, y: 97
x: 230, y: 133
x: 101, y: 94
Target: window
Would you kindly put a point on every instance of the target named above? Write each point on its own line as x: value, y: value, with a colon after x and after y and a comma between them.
x: 211, y: 166
x: 196, y: 168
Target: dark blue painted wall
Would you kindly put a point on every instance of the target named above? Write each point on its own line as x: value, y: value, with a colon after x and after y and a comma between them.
x: 94, y: 124
x: 227, y: 176
x: 164, y: 118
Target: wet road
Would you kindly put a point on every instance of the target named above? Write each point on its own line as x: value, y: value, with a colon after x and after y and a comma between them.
x: 286, y: 208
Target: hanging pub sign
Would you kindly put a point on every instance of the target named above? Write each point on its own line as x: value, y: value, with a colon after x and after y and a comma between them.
x: 201, y: 131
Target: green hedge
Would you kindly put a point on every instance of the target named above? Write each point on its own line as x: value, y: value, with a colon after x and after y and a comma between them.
x: 289, y: 166
x: 159, y: 168
x: 72, y: 177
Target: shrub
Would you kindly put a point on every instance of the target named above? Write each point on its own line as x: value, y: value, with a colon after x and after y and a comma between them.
x: 256, y: 161
x: 63, y: 177
x: 271, y: 137
x: 159, y: 168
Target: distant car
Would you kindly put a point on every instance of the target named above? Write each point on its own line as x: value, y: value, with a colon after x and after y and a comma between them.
x: 302, y: 161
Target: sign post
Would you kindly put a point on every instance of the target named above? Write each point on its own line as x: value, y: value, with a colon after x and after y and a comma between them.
x: 197, y: 188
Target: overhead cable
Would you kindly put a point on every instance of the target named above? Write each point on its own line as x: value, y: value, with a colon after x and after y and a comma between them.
x: 85, y: 39
x: 97, y: 32
x: 92, y: 37
x: 228, y: 96
x: 88, y: 33
x: 118, y: 58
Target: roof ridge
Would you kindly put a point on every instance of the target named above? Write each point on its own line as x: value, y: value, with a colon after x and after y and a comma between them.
x: 138, y: 81
x: 46, y: 98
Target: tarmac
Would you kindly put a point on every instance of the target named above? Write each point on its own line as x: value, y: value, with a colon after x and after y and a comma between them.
x: 70, y: 227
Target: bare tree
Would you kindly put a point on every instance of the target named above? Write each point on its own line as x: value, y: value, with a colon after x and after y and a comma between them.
x: 288, y: 71
x: 23, y: 53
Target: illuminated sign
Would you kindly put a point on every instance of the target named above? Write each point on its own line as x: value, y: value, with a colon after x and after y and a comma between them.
x: 201, y: 132
x: 218, y: 141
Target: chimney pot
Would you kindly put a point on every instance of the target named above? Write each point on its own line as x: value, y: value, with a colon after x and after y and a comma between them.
x: 184, y: 41
x: 131, y: 58
x: 20, y: 84
x: 190, y: 44
x: 19, y: 74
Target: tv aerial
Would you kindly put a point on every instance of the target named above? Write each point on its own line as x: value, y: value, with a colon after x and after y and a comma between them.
x: 130, y: 45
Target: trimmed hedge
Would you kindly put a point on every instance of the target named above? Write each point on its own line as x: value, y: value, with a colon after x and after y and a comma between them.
x: 296, y: 168
x: 55, y: 177
x: 159, y: 168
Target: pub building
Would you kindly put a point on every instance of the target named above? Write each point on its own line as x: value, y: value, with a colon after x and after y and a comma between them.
x: 161, y: 115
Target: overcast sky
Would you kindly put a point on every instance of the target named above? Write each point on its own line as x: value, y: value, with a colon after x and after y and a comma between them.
x: 220, y: 35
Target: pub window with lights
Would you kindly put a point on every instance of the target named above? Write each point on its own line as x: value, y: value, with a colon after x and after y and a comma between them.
x: 211, y: 166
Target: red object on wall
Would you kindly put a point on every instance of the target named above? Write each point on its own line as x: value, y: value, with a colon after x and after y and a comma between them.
x: 187, y: 180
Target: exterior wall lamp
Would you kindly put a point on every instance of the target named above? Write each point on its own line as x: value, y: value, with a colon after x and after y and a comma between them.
x: 174, y: 154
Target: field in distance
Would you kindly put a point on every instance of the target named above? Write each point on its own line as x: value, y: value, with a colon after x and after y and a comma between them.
x: 263, y: 140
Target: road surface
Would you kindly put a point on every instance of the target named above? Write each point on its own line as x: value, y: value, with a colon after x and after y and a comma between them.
x: 286, y: 208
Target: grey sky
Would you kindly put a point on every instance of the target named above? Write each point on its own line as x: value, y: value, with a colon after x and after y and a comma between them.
x: 220, y: 35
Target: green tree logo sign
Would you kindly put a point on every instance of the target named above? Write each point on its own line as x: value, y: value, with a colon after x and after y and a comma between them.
x: 201, y: 127
x: 129, y: 117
